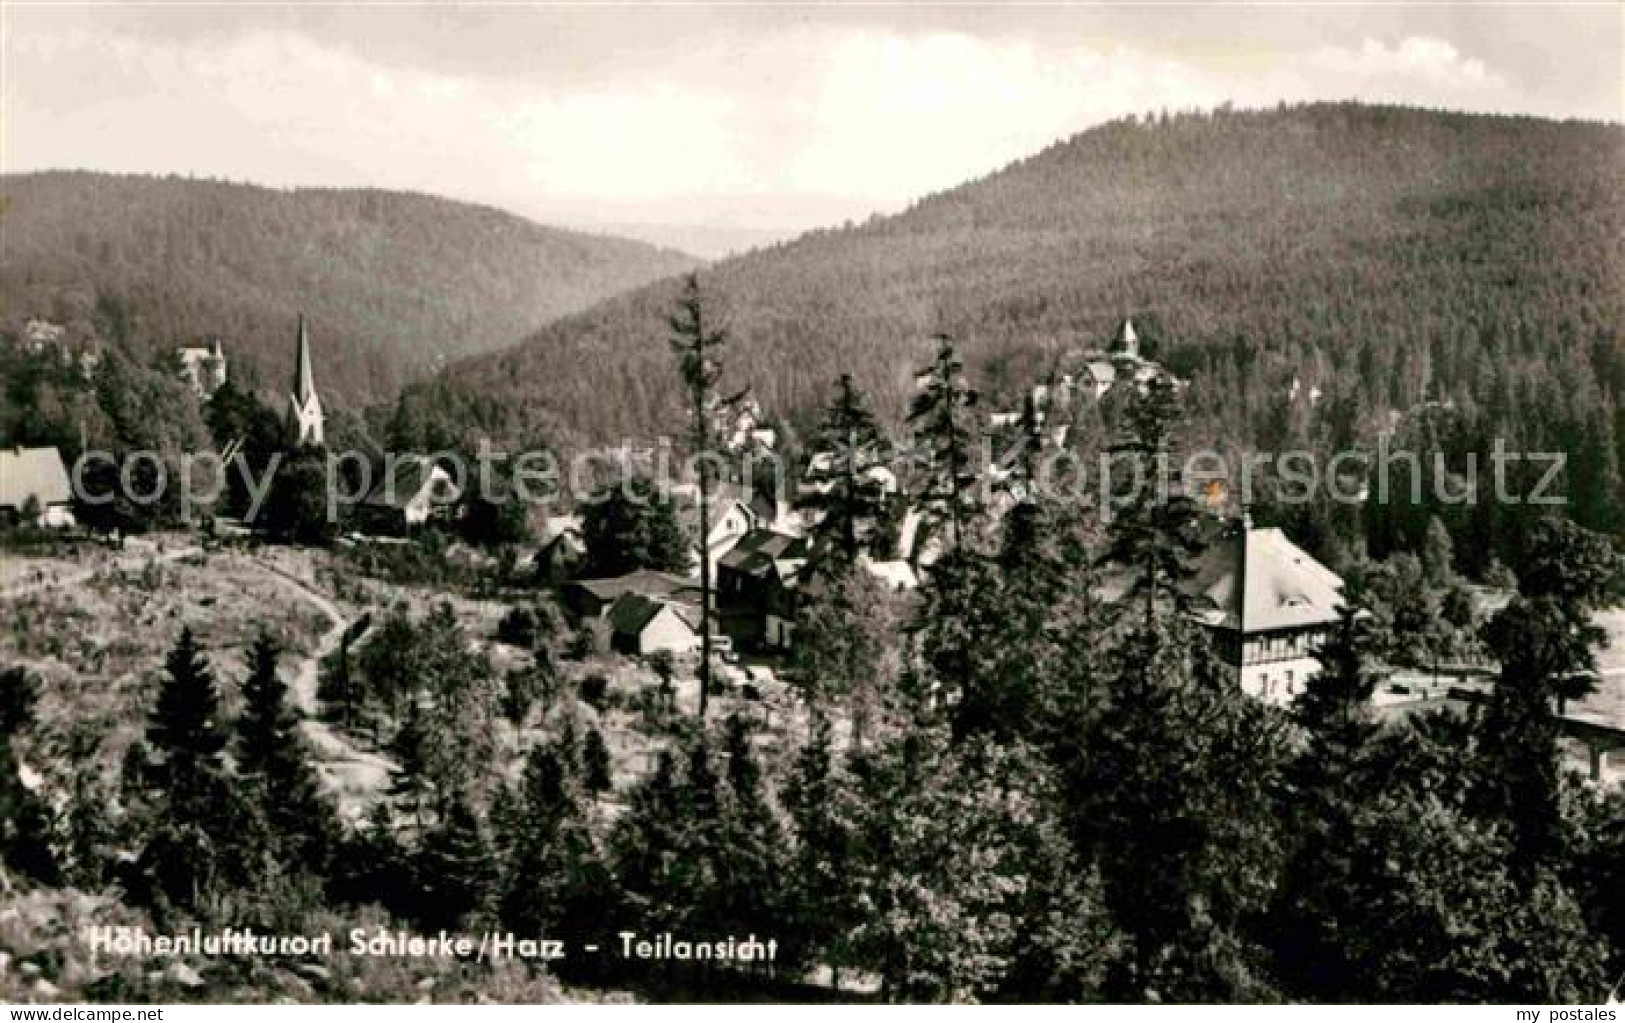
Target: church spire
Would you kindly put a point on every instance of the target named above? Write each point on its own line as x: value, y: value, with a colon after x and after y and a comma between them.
x: 305, y: 418
x: 1128, y: 342
x: 304, y: 379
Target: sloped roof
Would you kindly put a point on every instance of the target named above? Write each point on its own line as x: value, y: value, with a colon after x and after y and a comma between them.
x: 1256, y: 580
x: 897, y: 574
x: 560, y: 525
x: 760, y: 550
x: 33, y: 472
x: 304, y: 378
x: 1100, y: 371
x: 645, y: 582
x: 632, y: 612
x: 412, y: 475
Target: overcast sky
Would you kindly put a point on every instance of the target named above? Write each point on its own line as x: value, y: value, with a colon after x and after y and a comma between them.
x: 709, y: 125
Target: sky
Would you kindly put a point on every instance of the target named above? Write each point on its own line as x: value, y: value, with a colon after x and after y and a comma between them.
x: 711, y: 127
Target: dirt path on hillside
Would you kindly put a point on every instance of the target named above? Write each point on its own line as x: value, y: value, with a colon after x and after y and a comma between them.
x: 135, y: 555
x: 353, y: 774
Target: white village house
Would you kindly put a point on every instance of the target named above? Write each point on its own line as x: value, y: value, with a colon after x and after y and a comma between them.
x: 34, y: 483
x: 411, y: 491
x: 1271, y: 606
x: 642, y: 625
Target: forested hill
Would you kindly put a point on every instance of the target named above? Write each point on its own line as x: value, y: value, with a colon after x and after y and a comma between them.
x: 1370, y: 249
x: 394, y: 285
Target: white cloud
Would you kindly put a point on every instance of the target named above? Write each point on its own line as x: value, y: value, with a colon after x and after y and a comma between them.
x: 1414, y: 61
x: 779, y: 128
x: 896, y: 116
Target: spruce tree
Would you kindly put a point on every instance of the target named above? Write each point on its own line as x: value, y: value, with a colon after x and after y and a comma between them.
x: 1174, y: 804
x: 648, y: 848
x: 201, y: 835
x: 272, y: 755
x: 25, y: 823
x: 747, y: 893
x: 185, y: 725
x: 1017, y: 695
x: 556, y: 879
x: 1157, y: 535
x: 697, y: 343
x: 1545, y: 640
x: 597, y: 769
x: 629, y: 525
x: 844, y: 498
x: 457, y: 872
x: 411, y: 788
x: 819, y: 799
x: 958, y: 619
x: 843, y: 655
x: 940, y: 416
x: 1327, y: 785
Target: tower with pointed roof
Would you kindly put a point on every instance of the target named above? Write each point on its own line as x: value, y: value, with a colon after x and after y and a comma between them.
x: 305, y: 417
x: 1128, y: 342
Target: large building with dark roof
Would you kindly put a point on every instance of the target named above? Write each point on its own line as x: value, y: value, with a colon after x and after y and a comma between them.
x: 1270, y: 605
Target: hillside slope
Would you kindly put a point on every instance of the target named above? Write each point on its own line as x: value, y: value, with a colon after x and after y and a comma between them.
x: 1380, y: 250
x: 395, y: 285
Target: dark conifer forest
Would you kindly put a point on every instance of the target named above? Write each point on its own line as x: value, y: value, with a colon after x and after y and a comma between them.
x: 1387, y: 256
x: 394, y: 284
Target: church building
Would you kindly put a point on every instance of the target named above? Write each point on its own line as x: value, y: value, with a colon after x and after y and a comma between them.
x: 305, y: 417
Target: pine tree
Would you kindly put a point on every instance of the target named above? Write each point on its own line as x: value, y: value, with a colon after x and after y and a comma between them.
x: 697, y: 343
x: 185, y: 725
x: 1545, y: 640
x: 596, y: 768
x: 556, y: 879
x: 940, y: 416
x: 844, y: 498
x: 1157, y: 535
x: 411, y: 788
x: 1328, y: 783
x: 457, y: 873
x: 272, y: 754
x: 24, y: 817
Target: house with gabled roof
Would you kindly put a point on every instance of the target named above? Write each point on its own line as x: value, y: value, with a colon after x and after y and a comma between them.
x: 591, y: 598
x: 563, y: 549
x: 1270, y: 606
x: 757, y: 584
x: 412, y: 491
x: 731, y: 512
x: 34, y: 484
x: 641, y: 624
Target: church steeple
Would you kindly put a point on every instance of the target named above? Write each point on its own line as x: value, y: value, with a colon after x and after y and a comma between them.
x: 1127, y: 342
x: 305, y: 418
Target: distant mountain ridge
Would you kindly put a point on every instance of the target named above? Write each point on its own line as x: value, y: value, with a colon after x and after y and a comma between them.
x: 394, y: 284
x: 1390, y: 246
